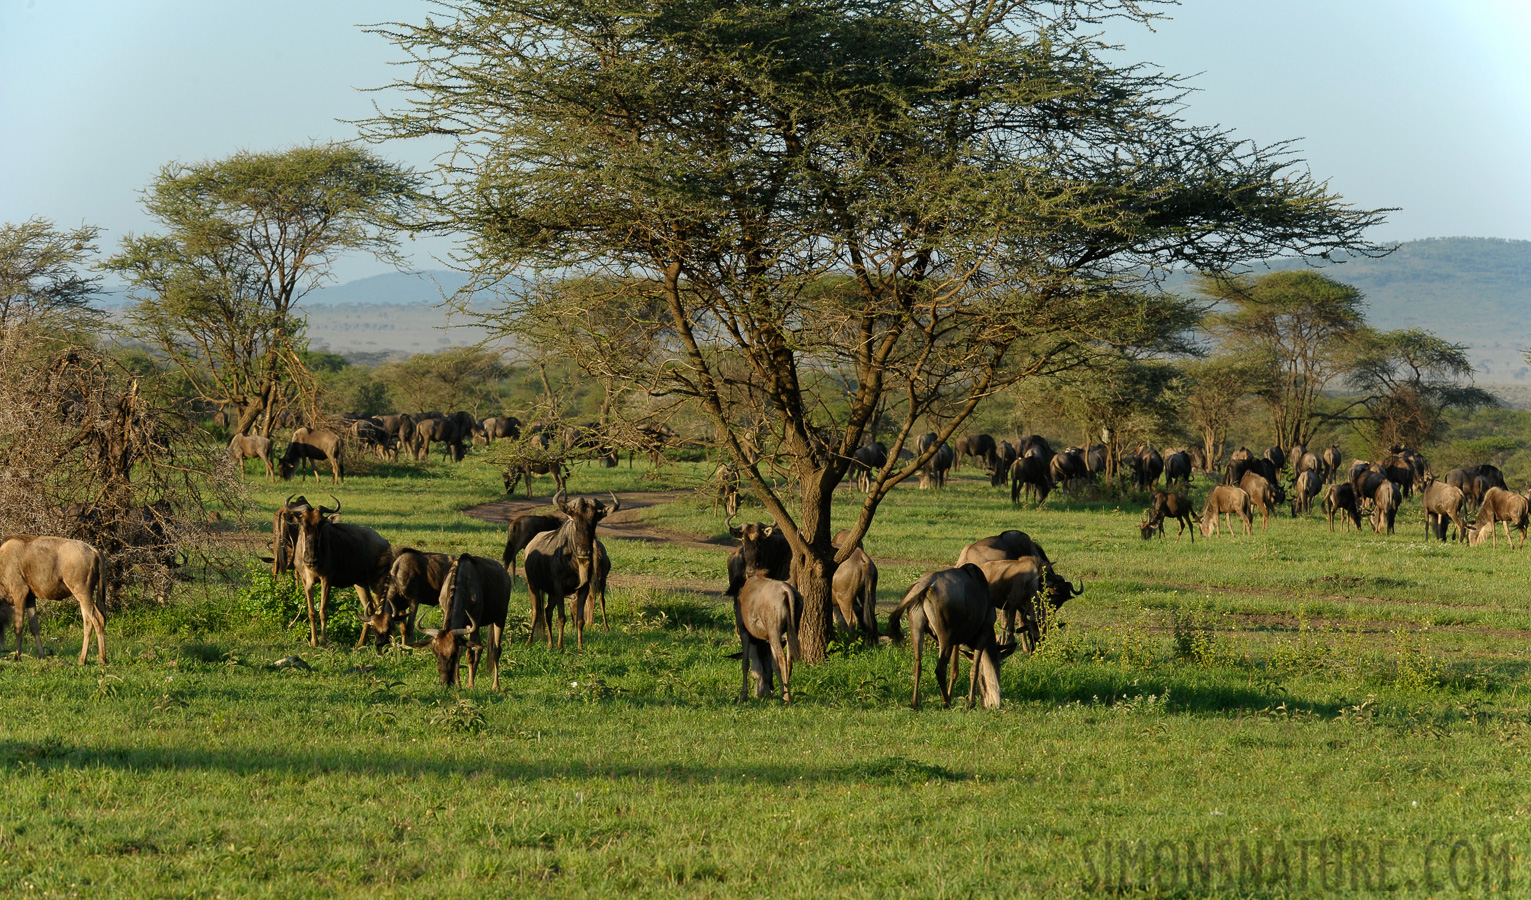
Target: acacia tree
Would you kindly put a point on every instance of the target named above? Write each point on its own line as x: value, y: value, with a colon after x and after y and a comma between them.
x: 245, y: 238
x: 1408, y: 380
x: 1216, y: 391
x: 834, y: 202
x: 1301, y: 328
x: 43, y: 275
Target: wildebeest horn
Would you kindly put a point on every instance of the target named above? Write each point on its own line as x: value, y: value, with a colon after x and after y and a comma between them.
x: 615, y: 503
x: 558, y: 501
x: 735, y: 530
x: 332, y: 512
x: 1076, y: 591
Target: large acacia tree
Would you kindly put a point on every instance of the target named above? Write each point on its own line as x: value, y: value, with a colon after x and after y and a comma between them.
x: 243, y: 240
x: 832, y: 202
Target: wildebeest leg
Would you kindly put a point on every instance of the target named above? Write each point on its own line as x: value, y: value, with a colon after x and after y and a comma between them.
x: 364, y: 595
x: 270, y: 472
x: 946, y: 661
x: 561, y: 620
x: 782, y: 660
x: 496, y: 633
x: 536, y: 612
x: 324, y: 606
x: 973, y: 676
x: 917, y: 628
x: 91, y: 615
x: 37, y: 634
x: 308, y: 597
x: 581, y: 598
x: 605, y: 626
x: 1009, y: 624
x: 744, y: 664
x: 473, y: 653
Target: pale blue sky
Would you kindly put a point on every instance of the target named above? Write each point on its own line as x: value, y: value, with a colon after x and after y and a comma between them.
x: 1420, y: 104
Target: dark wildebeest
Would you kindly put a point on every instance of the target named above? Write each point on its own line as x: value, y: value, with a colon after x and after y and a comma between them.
x: 414, y: 580
x: 497, y: 428
x: 566, y: 562
x: 1237, y: 468
x: 451, y: 432
x: 1332, y: 459
x: 1147, y: 465
x: 976, y: 446
x: 1173, y: 506
x: 1067, y: 468
x: 1201, y: 460
x: 309, y: 445
x: 1004, y: 458
x: 767, y: 613
x: 854, y: 589
x: 252, y: 446
x: 933, y: 473
x: 1364, y: 480
x: 1277, y: 457
x: 1385, y: 507
x: 954, y: 605
x: 1030, y: 473
x: 869, y: 458
x: 371, y: 435
x: 334, y: 555
x: 1500, y: 505
x: 1226, y: 499
x: 513, y: 475
x: 1294, y: 455
x: 1016, y: 587
x: 1307, y: 486
x: 762, y: 549
x: 401, y: 428
x: 520, y: 533
x: 1442, y: 502
x: 476, y: 593
x: 53, y: 568
x: 1263, y: 496
x: 1010, y: 544
x: 1341, y: 498
x: 1177, y: 469
x: 1095, y: 460
x: 1399, y: 472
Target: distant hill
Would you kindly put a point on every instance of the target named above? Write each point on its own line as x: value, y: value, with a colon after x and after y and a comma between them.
x: 391, y: 289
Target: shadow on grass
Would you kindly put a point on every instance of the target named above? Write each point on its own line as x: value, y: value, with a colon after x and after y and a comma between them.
x: 1182, y: 691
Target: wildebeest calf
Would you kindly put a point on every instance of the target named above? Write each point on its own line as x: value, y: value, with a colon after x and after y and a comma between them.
x: 52, y: 568
x: 767, y: 613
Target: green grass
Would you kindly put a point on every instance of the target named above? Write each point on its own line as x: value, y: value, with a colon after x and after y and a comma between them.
x: 1291, y: 687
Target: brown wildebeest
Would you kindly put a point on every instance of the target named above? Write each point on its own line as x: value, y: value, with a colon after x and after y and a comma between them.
x: 310, y: 445
x: 513, y: 475
x: 566, y: 562
x: 338, y: 556
x: 475, y: 594
x: 867, y: 459
x: 401, y: 428
x: 954, y: 605
x: 979, y: 447
x: 762, y: 548
x: 1500, y: 505
x: 1332, y: 459
x: 52, y: 568
x: 498, y: 428
x: 1385, y: 507
x: 1165, y: 505
x: 414, y: 579
x: 1010, y: 544
x: 933, y: 473
x: 1262, y: 494
x: 1226, y: 499
x: 1031, y: 473
x: 520, y: 533
x: 1017, y: 586
x: 854, y: 589
x: 252, y: 446
x: 1442, y: 502
x: 1341, y: 498
x: 767, y: 614
x: 1307, y: 486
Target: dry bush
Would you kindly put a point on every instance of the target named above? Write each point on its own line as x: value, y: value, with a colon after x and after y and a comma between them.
x: 92, y: 451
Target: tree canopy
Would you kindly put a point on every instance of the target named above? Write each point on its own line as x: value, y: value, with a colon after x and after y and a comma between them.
x: 44, y: 275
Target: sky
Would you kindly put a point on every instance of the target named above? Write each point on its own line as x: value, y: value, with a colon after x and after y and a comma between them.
x: 1424, y: 105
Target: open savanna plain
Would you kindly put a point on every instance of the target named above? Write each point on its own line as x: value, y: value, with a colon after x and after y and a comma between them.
x: 1293, y: 713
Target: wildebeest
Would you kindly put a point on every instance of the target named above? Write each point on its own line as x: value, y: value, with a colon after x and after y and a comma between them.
x: 1309, y: 483
x: 1442, y: 502
x: 513, y: 475
x: 762, y: 549
x: 520, y: 533
x: 1004, y: 458
x: 854, y: 589
x: 1010, y: 544
x: 1365, y: 478
x: 309, y: 445
x: 1277, y: 457
x: 1177, y: 469
x: 1166, y: 505
x: 414, y: 579
x: 1341, y: 498
x: 1262, y: 495
x: 652, y: 439
x: 1226, y: 499
x: 475, y: 594
x: 401, y: 428
x: 954, y: 605
x: 1309, y: 462
x: 1017, y: 587
x: 980, y: 447
x: 1385, y: 507
x: 566, y: 562
x: 868, y: 459
x: 284, y: 535
x: 1146, y: 465
x: 252, y: 446
x: 767, y: 613
x: 1332, y: 459
x: 1500, y: 505
x: 336, y: 555
x: 371, y: 435
x: 933, y: 473
x: 1030, y: 473
x: 452, y: 432
x: 1067, y: 468
x: 497, y: 428
x: 34, y: 567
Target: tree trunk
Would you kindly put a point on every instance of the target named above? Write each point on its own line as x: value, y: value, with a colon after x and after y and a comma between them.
x: 813, y: 576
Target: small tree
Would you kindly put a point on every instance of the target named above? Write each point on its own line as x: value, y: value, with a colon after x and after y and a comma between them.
x: 459, y: 378
x: 245, y: 238
x: 43, y: 276
x: 1216, y: 391
x: 1408, y: 381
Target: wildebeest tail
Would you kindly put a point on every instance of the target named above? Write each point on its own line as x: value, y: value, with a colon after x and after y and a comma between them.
x: 915, y: 595
x: 100, y: 590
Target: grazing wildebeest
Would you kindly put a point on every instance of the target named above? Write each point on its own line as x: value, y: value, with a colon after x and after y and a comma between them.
x: 869, y: 458
x: 252, y: 446
x: 1262, y: 494
x: 933, y: 473
x: 1277, y: 457
x: 1177, y: 469
x: 476, y: 593
x: 1294, y: 455
x: 1016, y: 587
x: 513, y: 475
x: 520, y: 533
x: 1332, y: 459
x: 414, y: 580
x: 1010, y: 544
x: 1385, y: 507
x: 1500, y: 505
x: 1442, y: 502
x: 284, y: 535
x: 1166, y: 505
x: 1226, y: 499
x: 401, y: 428
x: 762, y: 549
x: 1004, y: 458
x: 1341, y: 498
x: 496, y: 428
x: 1067, y: 468
x: 1400, y: 473
x: 1237, y: 468
x: 1146, y: 465
x: 371, y: 435
x: 1365, y: 480
x: 452, y: 432
x: 1308, y: 462
x: 1309, y: 483
x: 854, y: 589
x: 1030, y: 473
x: 1202, y: 460
x: 309, y: 445
x: 566, y: 562
x: 36, y: 568
x: 954, y: 605
x: 767, y: 613
x: 980, y: 447
x: 335, y: 555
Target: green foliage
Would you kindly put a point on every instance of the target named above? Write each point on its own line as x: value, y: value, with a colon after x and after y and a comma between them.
x: 275, y: 601
x: 44, y: 276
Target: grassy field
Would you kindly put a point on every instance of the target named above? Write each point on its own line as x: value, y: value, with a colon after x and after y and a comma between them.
x: 1294, y: 713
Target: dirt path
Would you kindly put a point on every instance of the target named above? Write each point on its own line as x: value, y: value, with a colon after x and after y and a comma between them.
x: 626, y: 524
